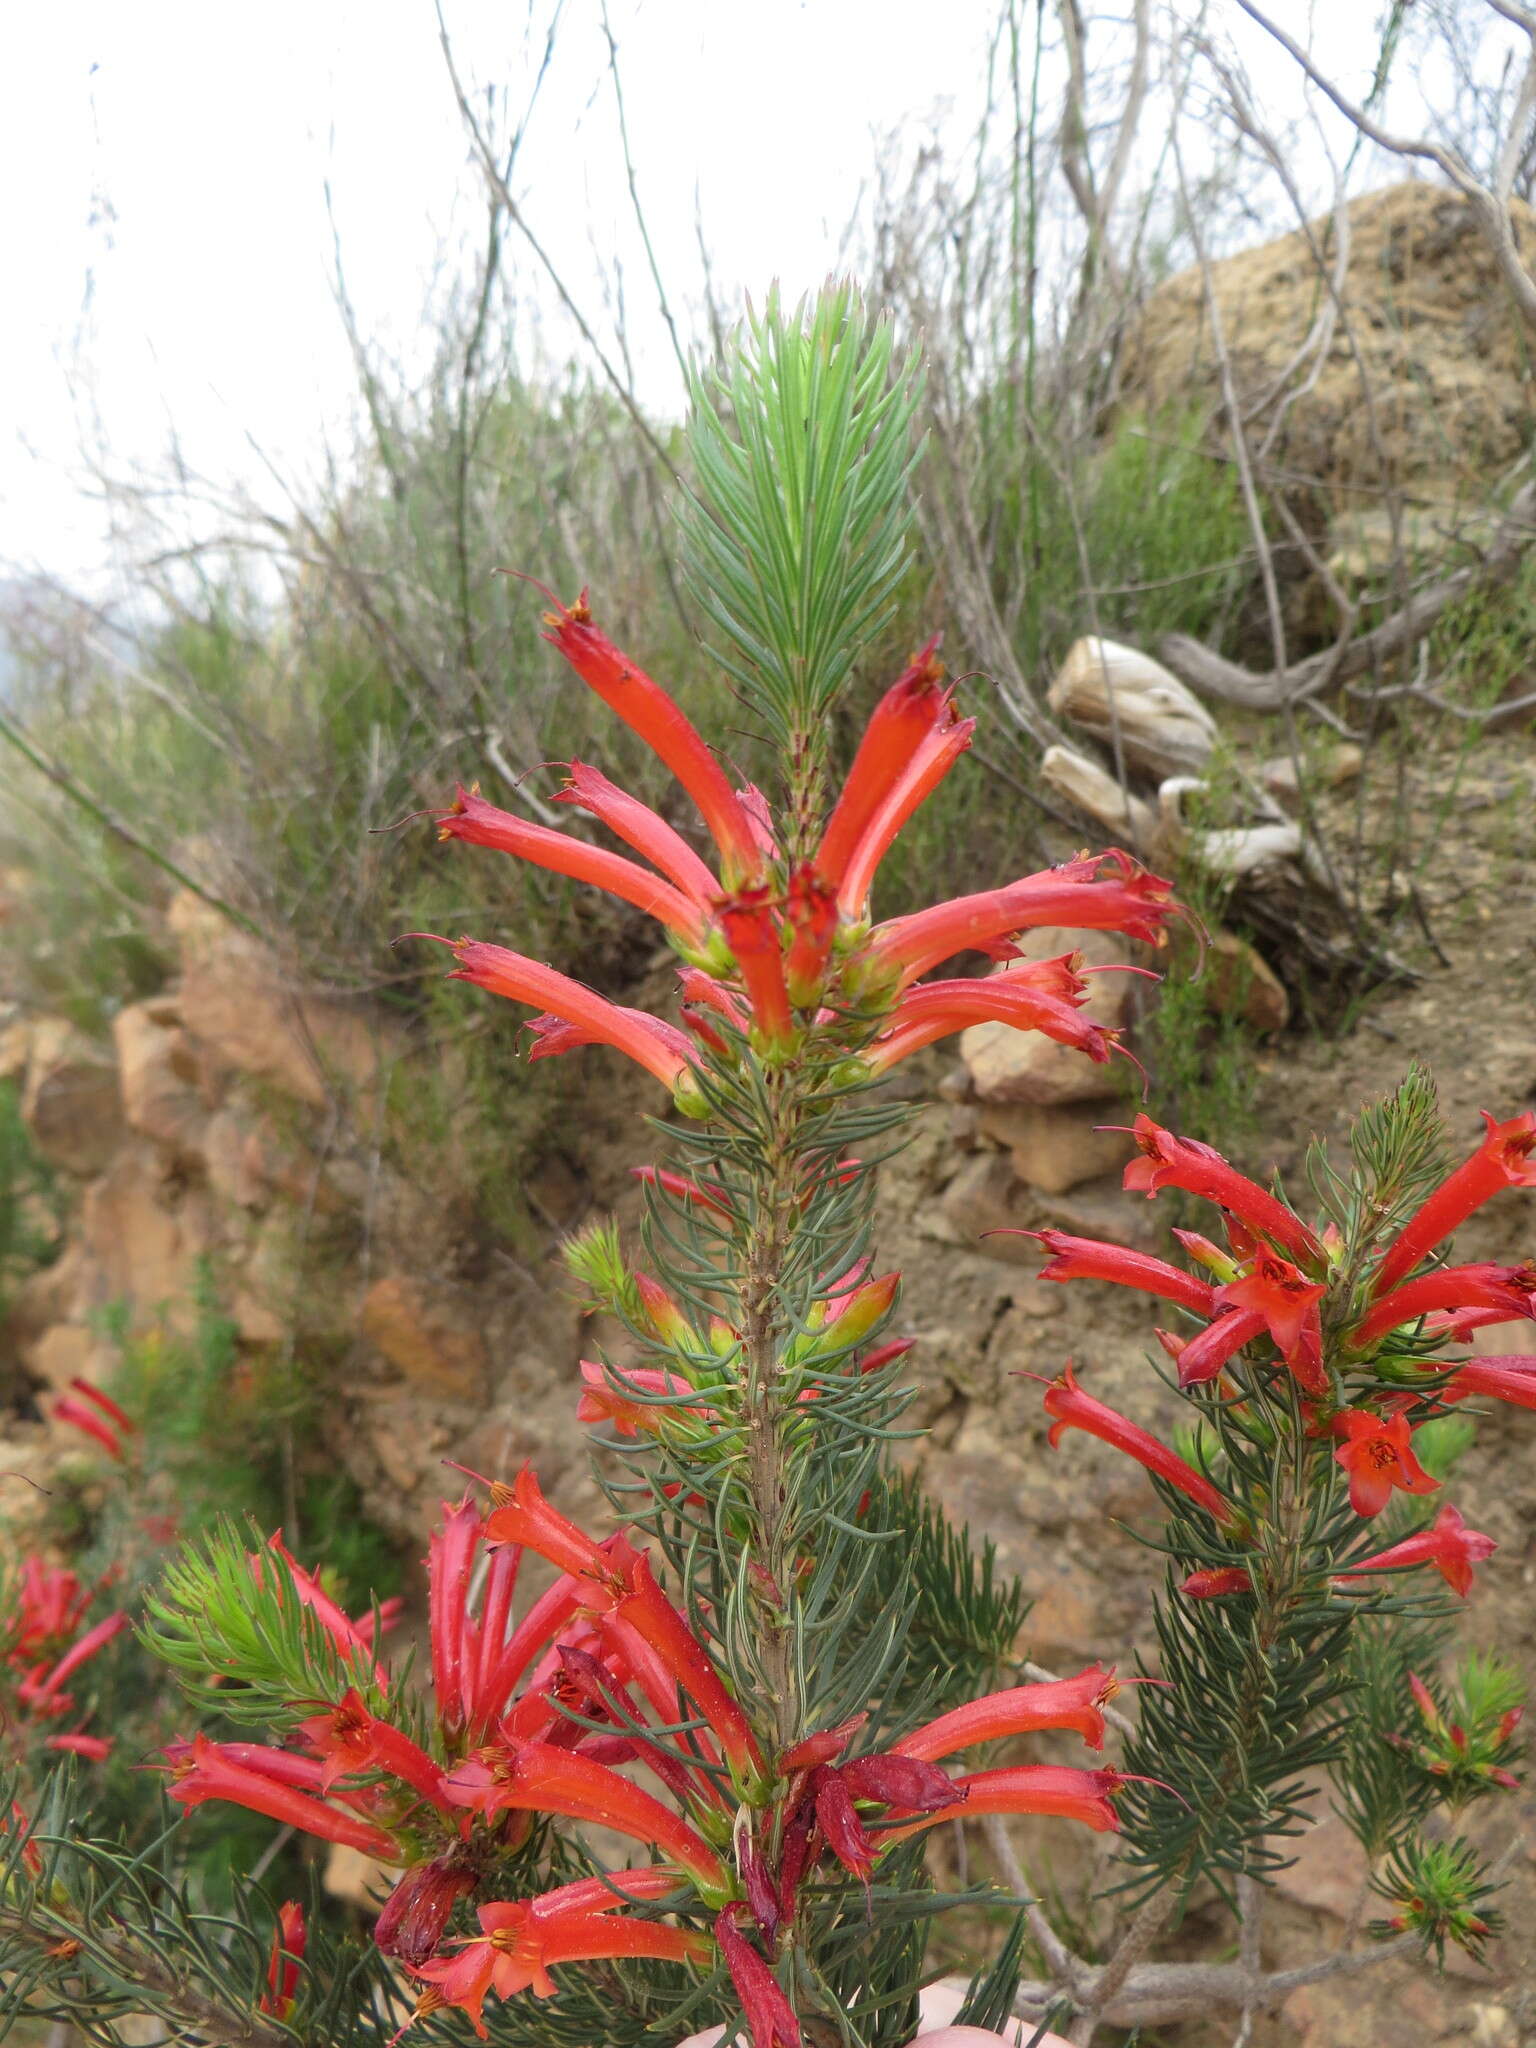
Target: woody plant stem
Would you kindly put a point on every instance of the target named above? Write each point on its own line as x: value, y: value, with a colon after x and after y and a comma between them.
x: 763, y: 1331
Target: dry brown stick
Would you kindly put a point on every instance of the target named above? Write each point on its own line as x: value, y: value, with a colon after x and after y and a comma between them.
x: 1260, y: 690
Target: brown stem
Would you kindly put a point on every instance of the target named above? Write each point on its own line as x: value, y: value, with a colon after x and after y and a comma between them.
x: 164, y: 1992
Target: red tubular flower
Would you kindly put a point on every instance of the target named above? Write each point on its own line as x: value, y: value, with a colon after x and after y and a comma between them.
x: 1170, y: 1162
x: 81, y: 1652
x: 208, y: 1772
x: 1449, y: 1545
x: 1053, y: 1789
x: 811, y: 910
x: 769, y: 2013
x: 1510, y: 1289
x: 1378, y: 1455
x: 933, y: 760
x: 1503, y: 1379
x: 905, y: 716
x: 288, y: 1939
x: 683, y: 1190
x: 1077, y: 895
x: 80, y: 1417
x: 1287, y: 1301
x: 450, y: 1568
x: 651, y: 1614
x: 1073, y: 1409
x: 1059, y: 1703
x: 935, y: 1009
x: 49, y: 1605
x: 20, y: 1823
x: 606, y: 1398
x: 1503, y: 1160
x: 752, y: 933
x: 540, y: 1777
x: 522, y: 1515
x: 1204, y: 1355
x: 1215, y: 1582
x: 1085, y: 1258
x: 479, y: 823
x: 639, y: 826
x: 658, y: 1047
x: 647, y: 710
x: 96, y: 1748
x: 521, y: 1940
x: 350, y: 1740
x: 117, y: 1416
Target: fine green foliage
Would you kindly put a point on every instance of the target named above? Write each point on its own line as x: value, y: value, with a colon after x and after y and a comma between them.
x: 1379, y: 1787
x: 92, y: 1937
x: 228, y: 1620
x: 795, y: 529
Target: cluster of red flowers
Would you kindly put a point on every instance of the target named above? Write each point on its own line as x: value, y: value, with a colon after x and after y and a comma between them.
x: 97, y: 1416
x: 43, y: 1645
x: 775, y: 949
x: 538, y: 1716
x: 1359, y: 1349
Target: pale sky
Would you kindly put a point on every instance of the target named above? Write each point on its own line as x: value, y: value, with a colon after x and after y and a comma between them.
x: 164, y: 238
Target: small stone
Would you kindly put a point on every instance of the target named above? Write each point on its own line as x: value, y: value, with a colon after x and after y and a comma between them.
x: 1007, y: 1065
x: 986, y: 1196
x: 1328, y: 1868
x: 1055, y: 1148
x: 70, y: 1103
x: 68, y: 1351
x: 965, y: 1122
x: 1343, y: 765
x: 1101, y: 1208
x: 1238, y: 980
x: 155, y: 1068
x: 1280, y: 780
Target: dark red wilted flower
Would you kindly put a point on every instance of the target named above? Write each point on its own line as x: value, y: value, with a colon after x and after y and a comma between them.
x: 1449, y: 1545
x: 1215, y: 1582
x: 769, y: 2013
x: 413, y: 1917
x: 1377, y: 1453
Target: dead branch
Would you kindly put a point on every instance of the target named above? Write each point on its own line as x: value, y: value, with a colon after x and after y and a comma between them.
x: 1271, y: 690
x: 1489, y: 203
